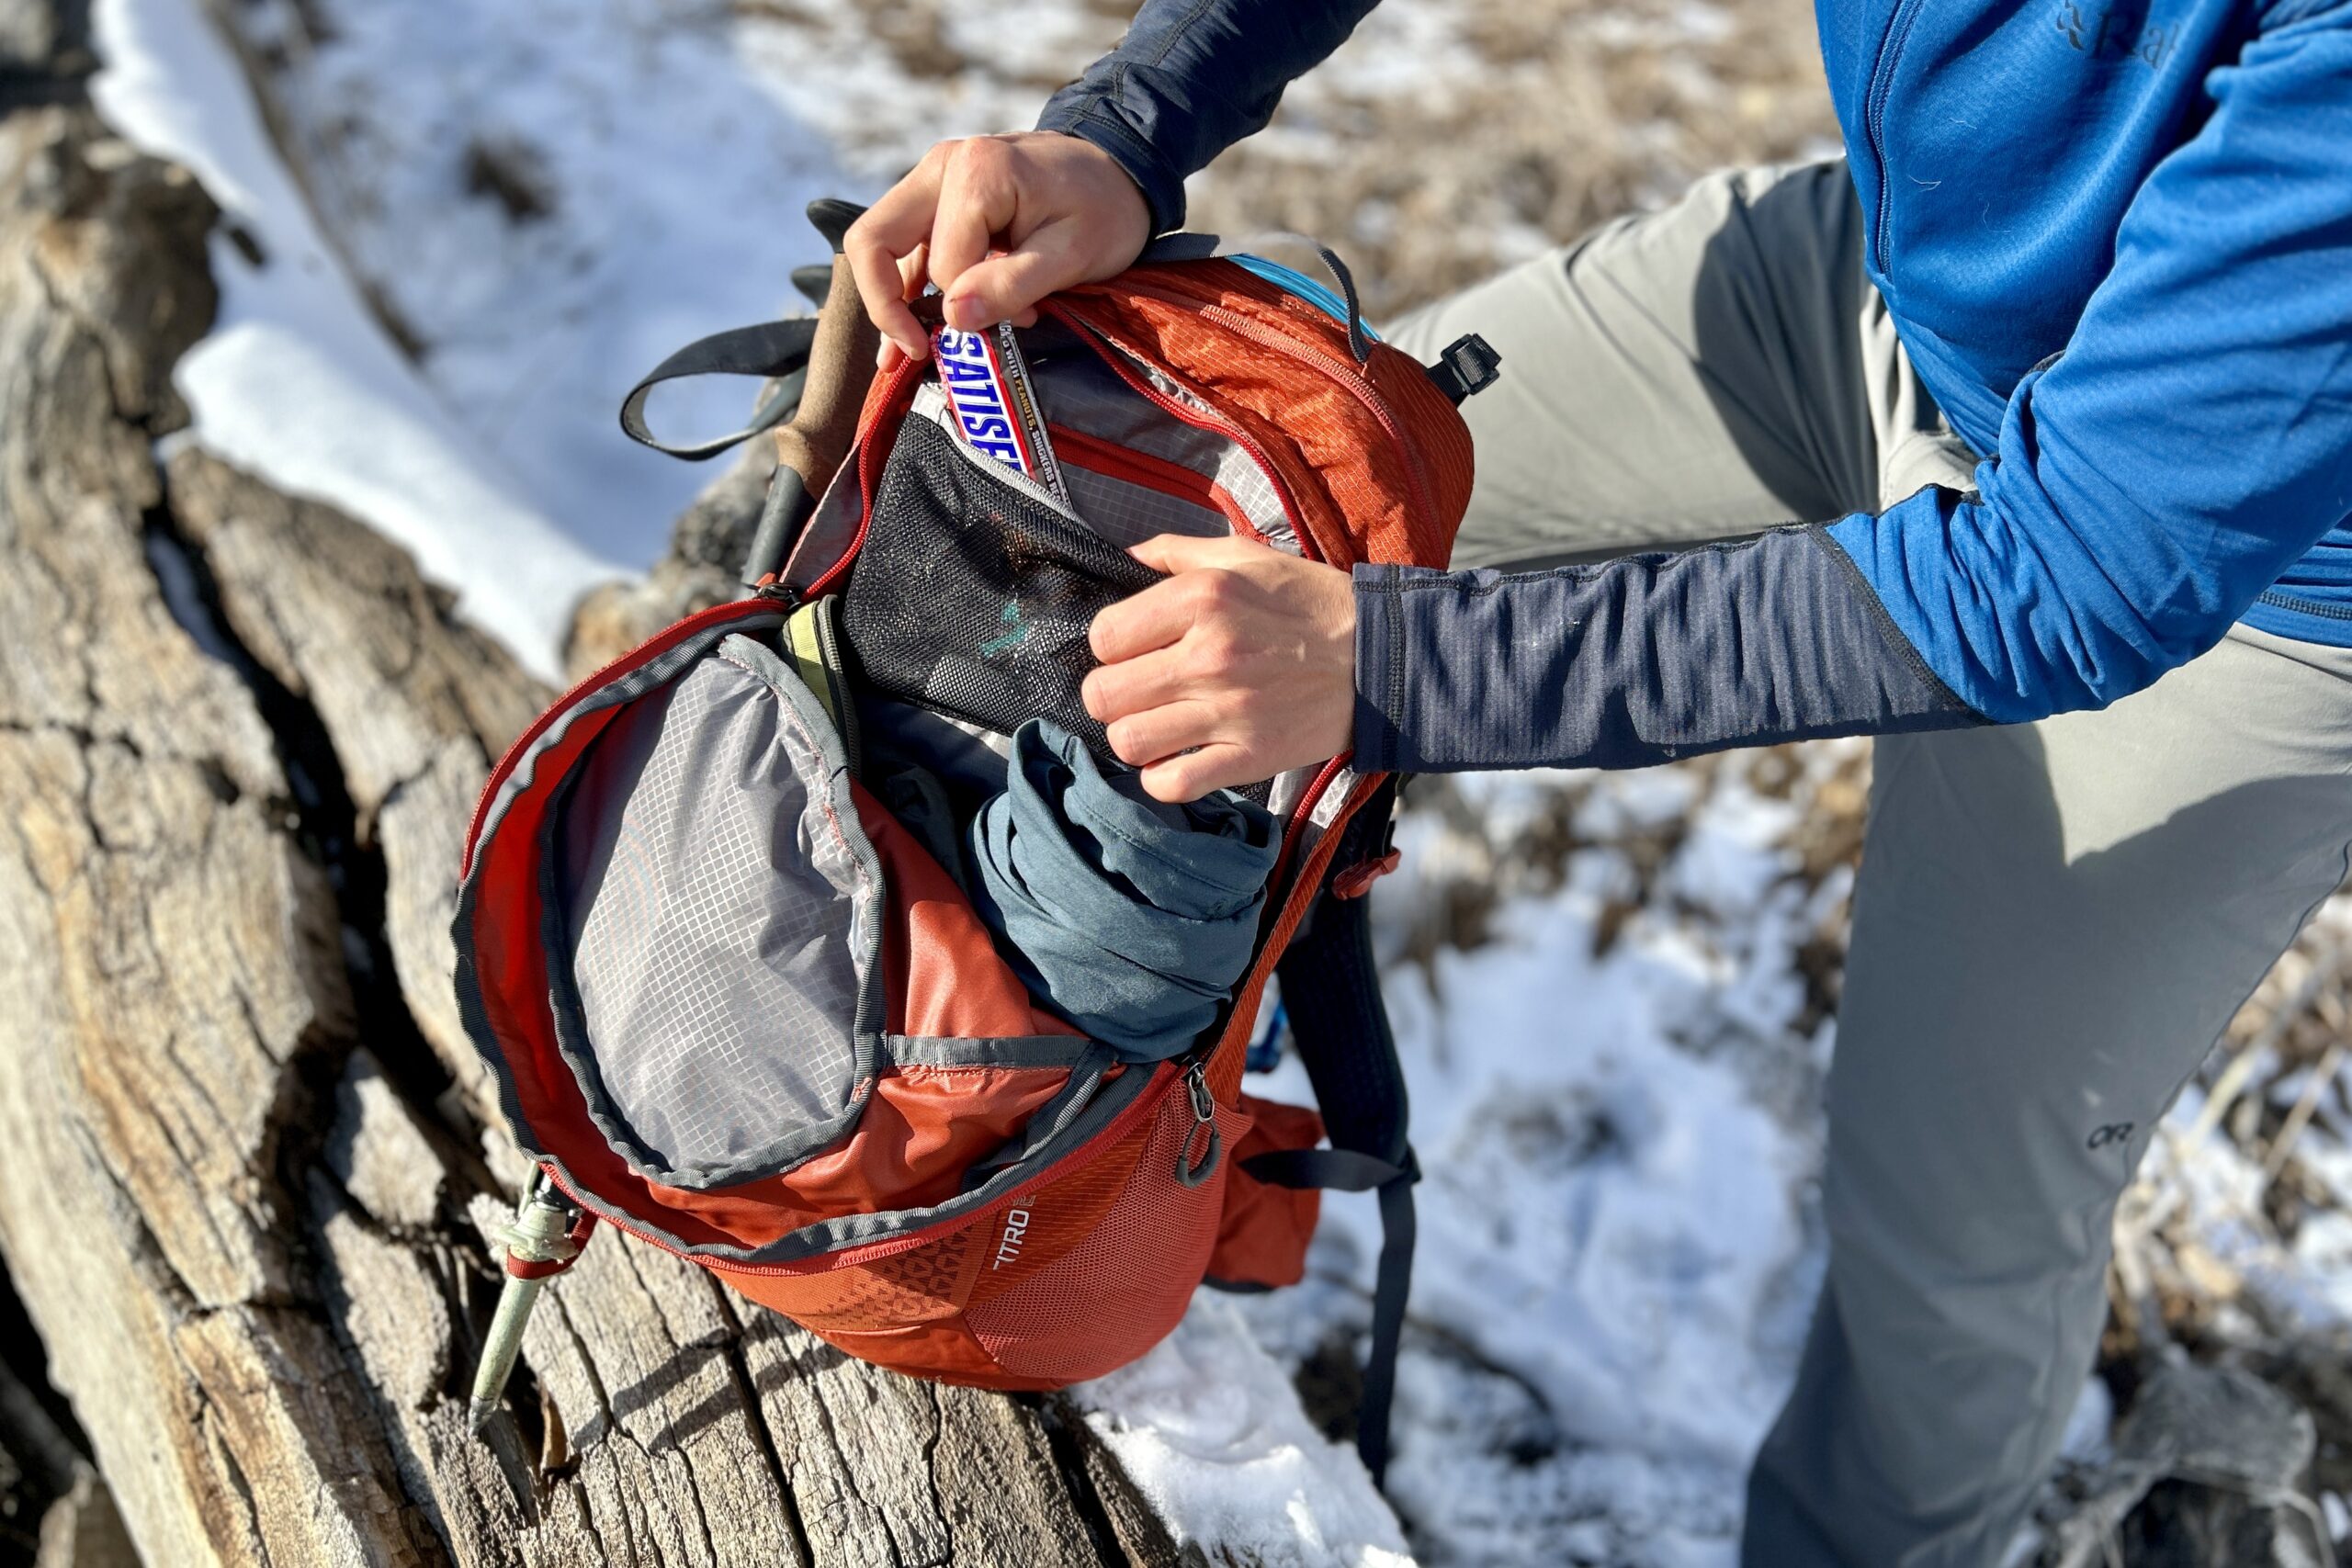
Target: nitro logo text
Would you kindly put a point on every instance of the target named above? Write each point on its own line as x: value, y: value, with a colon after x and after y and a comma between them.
x: 1008, y: 1246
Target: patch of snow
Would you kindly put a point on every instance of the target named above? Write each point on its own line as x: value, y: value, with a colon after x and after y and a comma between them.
x: 296, y: 382
x: 550, y: 197
x: 1207, y: 1428
x: 2087, y: 1429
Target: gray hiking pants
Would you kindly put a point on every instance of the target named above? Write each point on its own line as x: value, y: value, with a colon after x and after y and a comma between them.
x: 2054, y: 920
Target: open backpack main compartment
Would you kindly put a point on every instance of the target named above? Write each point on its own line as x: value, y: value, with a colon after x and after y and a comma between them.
x: 732, y: 982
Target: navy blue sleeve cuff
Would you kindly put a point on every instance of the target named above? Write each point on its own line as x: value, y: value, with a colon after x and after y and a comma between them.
x: 1632, y: 661
x: 1380, y: 667
x: 1085, y: 112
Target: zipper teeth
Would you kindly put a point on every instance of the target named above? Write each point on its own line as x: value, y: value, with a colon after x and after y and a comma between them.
x: 1346, y: 376
x: 868, y: 467
x: 1131, y: 469
x: 1898, y: 33
x: 1118, y: 355
x: 823, y: 1262
x: 1309, y: 800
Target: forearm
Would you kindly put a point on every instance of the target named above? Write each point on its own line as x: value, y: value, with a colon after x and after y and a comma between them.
x: 1631, y: 662
x: 1191, y: 78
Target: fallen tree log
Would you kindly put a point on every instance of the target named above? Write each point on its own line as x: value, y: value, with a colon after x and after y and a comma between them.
x: 245, y: 1154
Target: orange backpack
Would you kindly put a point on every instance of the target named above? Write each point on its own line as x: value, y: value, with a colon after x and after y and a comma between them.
x: 737, y: 1009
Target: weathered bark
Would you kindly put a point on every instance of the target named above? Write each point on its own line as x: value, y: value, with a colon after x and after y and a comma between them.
x: 245, y: 1154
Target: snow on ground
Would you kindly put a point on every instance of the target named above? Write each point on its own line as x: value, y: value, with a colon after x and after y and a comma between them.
x: 513, y: 211
x: 1616, y: 1253
x: 297, y: 381
x: 1208, y: 1430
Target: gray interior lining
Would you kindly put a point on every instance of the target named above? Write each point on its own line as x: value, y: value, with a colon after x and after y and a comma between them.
x: 721, y: 912
x: 467, y: 982
x: 1127, y: 514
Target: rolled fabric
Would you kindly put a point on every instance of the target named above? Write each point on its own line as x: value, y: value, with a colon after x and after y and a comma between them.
x: 1131, y: 918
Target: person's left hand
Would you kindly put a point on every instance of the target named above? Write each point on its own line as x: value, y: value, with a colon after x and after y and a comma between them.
x: 1241, y: 666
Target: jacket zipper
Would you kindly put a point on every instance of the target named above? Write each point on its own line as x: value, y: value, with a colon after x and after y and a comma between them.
x: 1890, y: 55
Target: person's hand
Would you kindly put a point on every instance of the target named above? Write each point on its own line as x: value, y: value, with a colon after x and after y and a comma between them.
x: 1241, y: 665
x: 998, y: 222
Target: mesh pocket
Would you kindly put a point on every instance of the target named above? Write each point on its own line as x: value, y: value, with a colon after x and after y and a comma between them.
x: 1090, y: 1289
x: 971, y: 598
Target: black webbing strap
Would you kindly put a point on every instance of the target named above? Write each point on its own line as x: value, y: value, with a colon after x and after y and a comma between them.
x: 1346, y: 1170
x: 1330, y: 991
x: 769, y: 350
x: 1331, y: 1170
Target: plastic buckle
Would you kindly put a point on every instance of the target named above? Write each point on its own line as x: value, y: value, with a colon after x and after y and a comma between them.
x: 1357, y: 880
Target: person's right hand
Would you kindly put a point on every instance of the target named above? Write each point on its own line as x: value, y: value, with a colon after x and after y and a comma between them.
x: 998, y: 222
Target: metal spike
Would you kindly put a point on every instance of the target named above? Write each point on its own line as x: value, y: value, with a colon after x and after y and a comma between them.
x: 541, y: 1233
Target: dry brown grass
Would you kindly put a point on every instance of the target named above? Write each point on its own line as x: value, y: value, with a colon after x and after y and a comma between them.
x: 1541, y: 120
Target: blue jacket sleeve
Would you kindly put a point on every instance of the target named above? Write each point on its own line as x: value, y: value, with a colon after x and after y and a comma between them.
x: 2191, y: 442
x: 1189, y: 79
x: 2151, y: 482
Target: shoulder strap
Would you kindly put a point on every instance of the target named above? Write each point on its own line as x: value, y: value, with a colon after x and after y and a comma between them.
x: 1339, y: 1025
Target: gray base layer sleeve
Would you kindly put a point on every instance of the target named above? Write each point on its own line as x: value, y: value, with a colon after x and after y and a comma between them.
x: 1632, y: 661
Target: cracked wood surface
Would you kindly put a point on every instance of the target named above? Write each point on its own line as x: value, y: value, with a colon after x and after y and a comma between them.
x: 246, y: 1154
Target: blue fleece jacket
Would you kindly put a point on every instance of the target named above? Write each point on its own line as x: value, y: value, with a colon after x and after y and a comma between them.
x: 2117, y: 241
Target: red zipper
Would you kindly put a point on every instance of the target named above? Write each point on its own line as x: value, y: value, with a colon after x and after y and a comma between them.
x: 650, y: 648
x: 1096, y: 455
x: 870, y: 458
x: 1307, y: 801
x: 1119, y: 357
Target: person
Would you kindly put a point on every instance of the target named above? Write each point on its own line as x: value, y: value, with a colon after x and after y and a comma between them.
x: 2020, y: 438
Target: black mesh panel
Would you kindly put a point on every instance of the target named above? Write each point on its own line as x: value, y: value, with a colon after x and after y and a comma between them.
x: 971, y: 598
